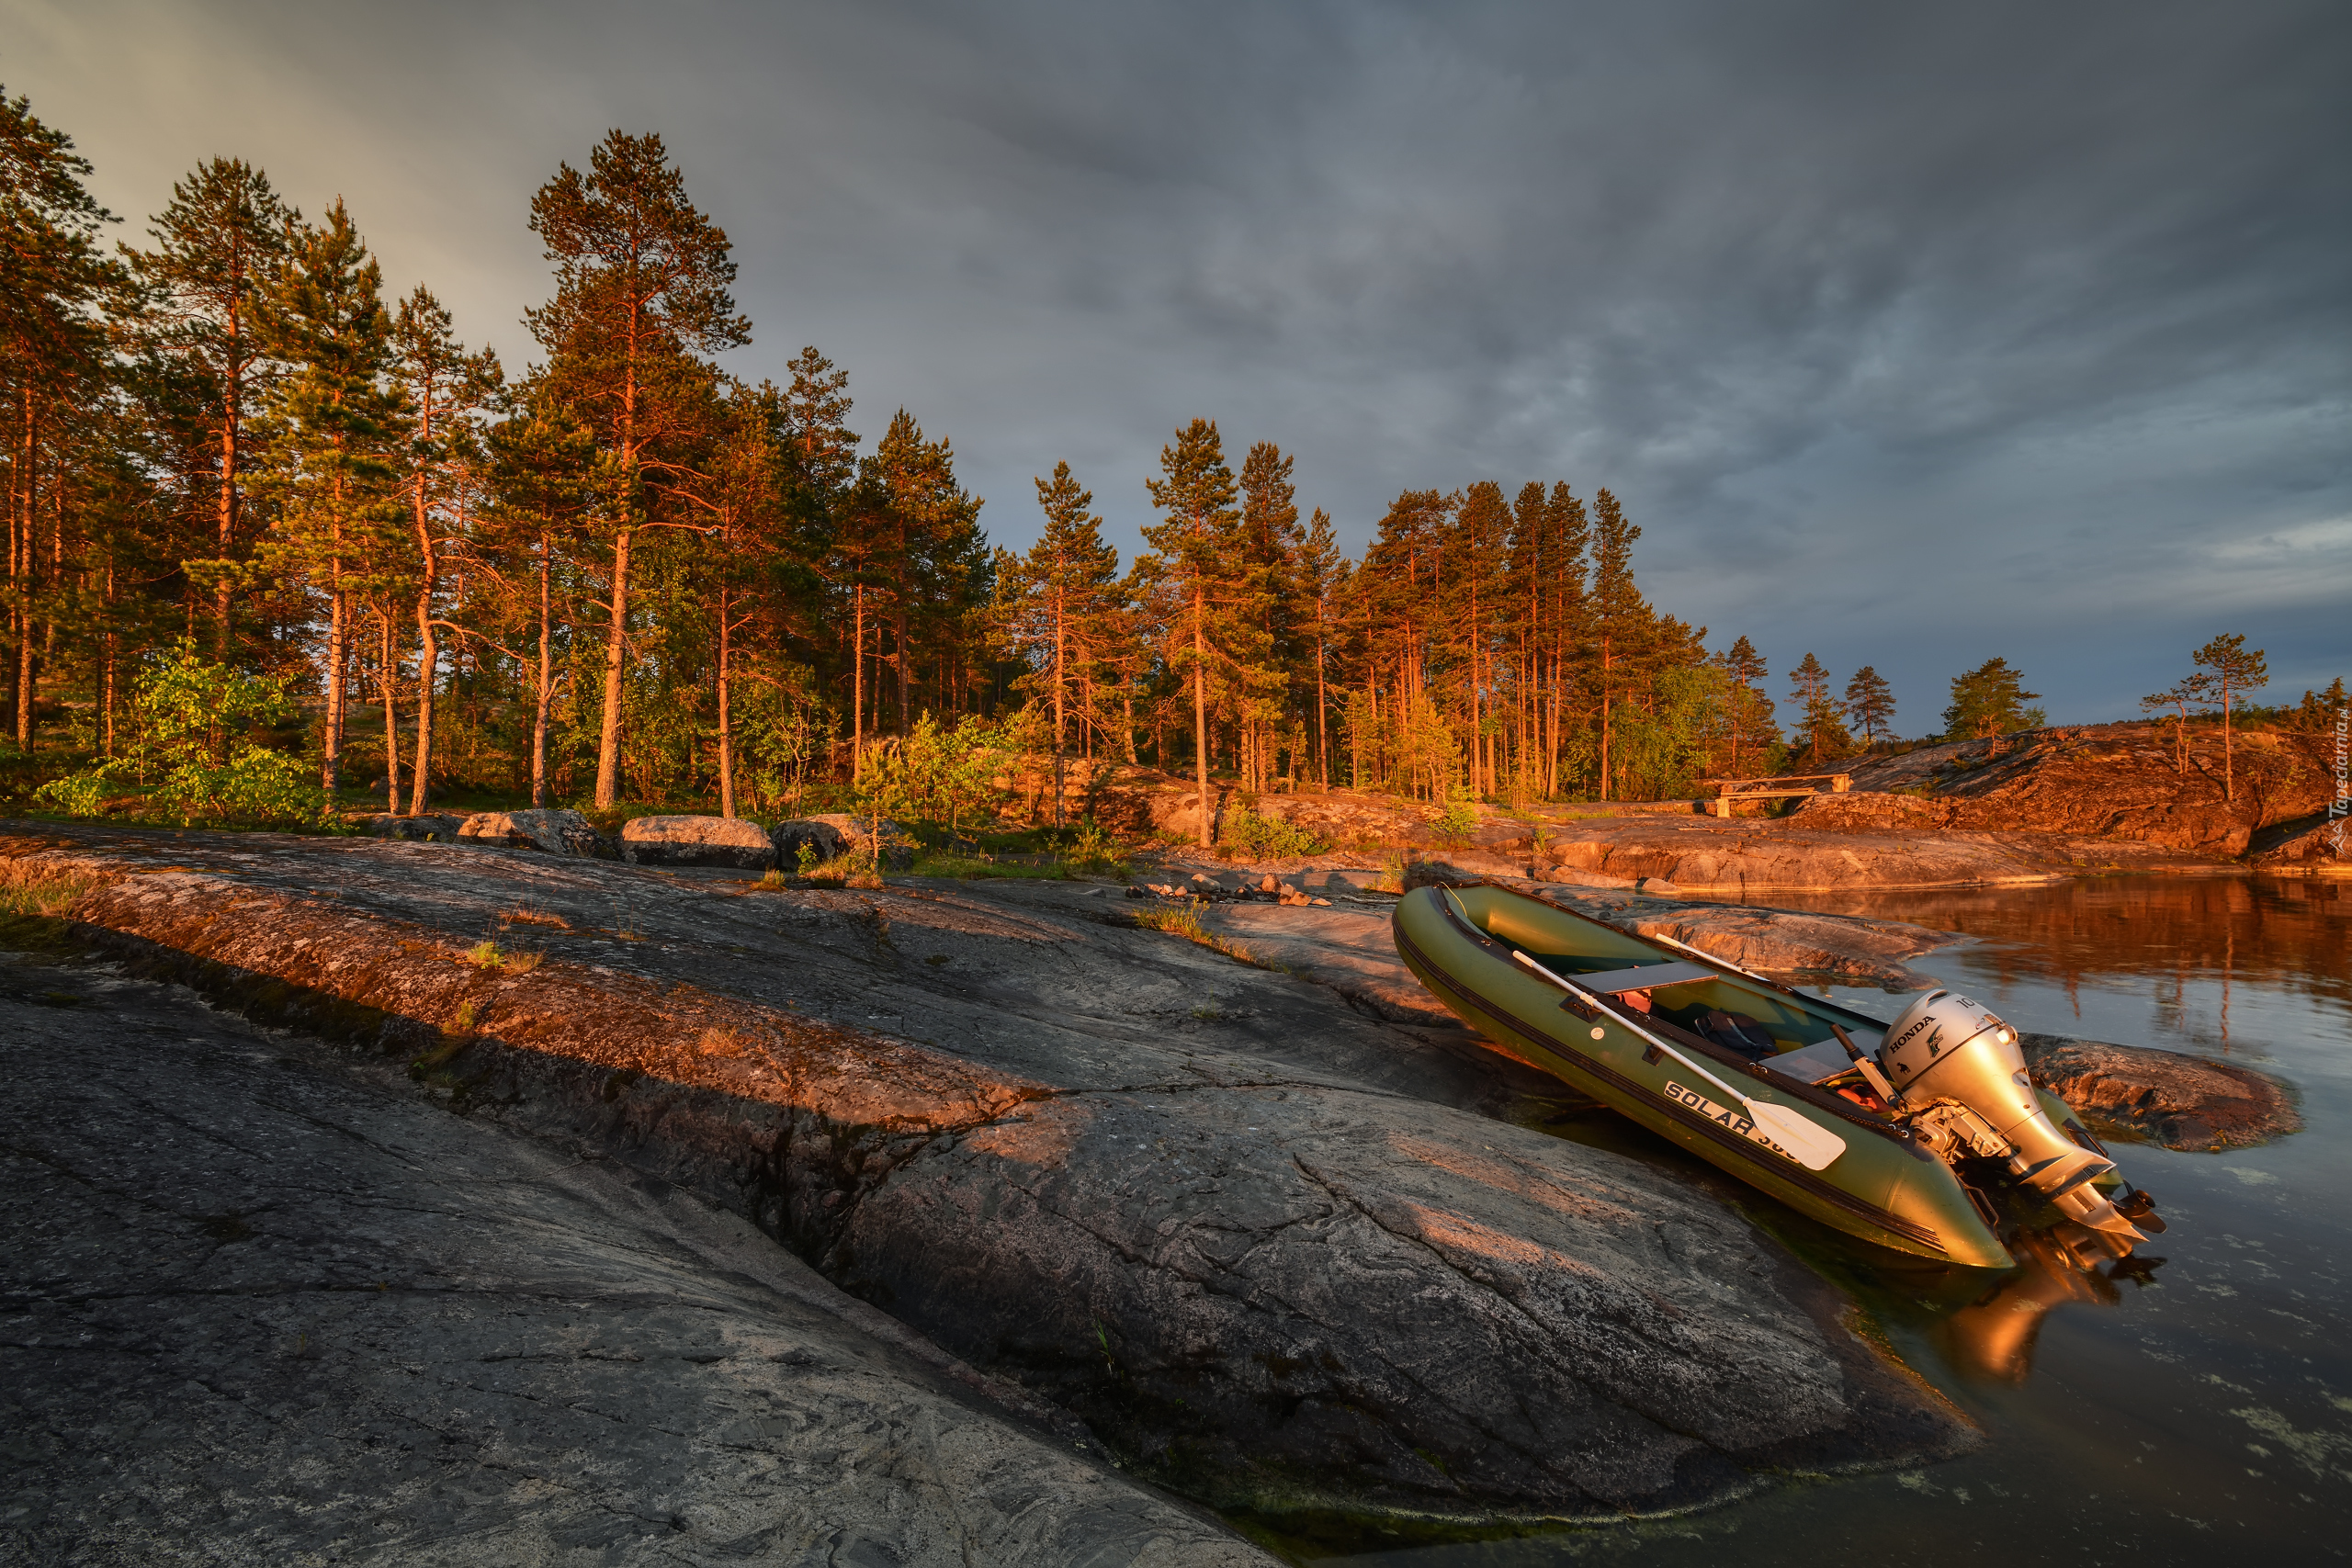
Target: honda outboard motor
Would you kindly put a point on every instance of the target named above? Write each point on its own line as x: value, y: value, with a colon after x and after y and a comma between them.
x: 1963, y: 1081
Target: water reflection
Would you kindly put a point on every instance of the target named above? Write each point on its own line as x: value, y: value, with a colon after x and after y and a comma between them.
x: 1993, y: 1336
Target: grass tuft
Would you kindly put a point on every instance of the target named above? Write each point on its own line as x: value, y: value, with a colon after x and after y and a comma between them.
x: 485, y: 955
x: 522, y: 960
x: 1184, y: 920
x: 39, y: 890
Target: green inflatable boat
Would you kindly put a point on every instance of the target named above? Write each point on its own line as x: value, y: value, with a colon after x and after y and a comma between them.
x: 1899, y: 1134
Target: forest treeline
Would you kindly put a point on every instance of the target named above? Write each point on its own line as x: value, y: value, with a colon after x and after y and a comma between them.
x: 621, y: 573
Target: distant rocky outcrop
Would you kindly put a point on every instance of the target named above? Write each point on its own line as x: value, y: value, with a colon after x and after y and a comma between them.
x: 2316, y: 845
x: 728, y: 841
x: 2111, y: 781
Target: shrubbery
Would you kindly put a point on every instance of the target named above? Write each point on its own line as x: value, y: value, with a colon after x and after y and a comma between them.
x: 193, y: 754
x: 1263, y: 837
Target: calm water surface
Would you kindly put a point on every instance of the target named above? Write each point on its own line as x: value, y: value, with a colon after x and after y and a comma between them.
x: 2193, y: 1410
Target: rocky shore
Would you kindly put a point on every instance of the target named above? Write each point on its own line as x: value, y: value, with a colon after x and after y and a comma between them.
x: 1262, y: 1225
x: 1276, y: 1253
x: 264, y: 1308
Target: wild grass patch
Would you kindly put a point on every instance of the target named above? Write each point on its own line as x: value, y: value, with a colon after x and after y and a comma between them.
x: 42, y: 890
x: 1184, y: 920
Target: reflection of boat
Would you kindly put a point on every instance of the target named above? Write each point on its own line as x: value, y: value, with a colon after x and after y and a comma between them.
x: 1993, y: 1336
x: 1893, y: 1132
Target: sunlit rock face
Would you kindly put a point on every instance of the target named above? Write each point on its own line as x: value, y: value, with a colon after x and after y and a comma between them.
x: 728, y: 842
x: 1275, y: 1243
x: 2181, y: 1101
x: 557, y: 832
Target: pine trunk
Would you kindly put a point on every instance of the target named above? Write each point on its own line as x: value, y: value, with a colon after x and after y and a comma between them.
x: 428, y: 652
x: 544, y: 695
x: 726, y: 715
x: 608, y: 738
x: 1200, y: 709
x: 388, y: 677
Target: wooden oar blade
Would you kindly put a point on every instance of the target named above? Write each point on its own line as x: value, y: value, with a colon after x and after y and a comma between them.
x: 1814, y: 1146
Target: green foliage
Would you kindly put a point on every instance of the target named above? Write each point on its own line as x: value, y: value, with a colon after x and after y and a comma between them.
x: 936, y: 772
x: 1265, y: 838
x: 1823, y: 728
x: 1990, y: 701
x: 1455, y: 822
x: 1870, y: 702
x: 192, y: 747
x: 1659, y: 749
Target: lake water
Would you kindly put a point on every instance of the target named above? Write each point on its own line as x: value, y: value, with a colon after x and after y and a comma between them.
x: 2196, y: 1409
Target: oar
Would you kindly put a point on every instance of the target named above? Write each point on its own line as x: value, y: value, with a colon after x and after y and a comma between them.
x: 1812, y: 1146
x: 1707, y: 957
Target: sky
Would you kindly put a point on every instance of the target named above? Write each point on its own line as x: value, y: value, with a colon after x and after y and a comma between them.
x: 1910, y: 335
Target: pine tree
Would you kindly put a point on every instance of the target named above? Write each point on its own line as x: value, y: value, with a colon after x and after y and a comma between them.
x: 1870, y: 701
x: 1618, y: 609
x: 543, y: 484
x: 921, y: 551
x: 1750, y: 709
x: 2192, y: 690
x: 444, y: 388
x: 1809, y: 685
x: 1196, y: 545
x: 1320, y: 584
x: 642, y: 281
x: 1989, y: 701
x: 750, y: 494
x: 332, y: 425
x: 1478, y: 591
x: 2234, y: 671
x: 54, y: 367
x: 1261, y: 593
x: 1059, y: 596
x: 218, y: 245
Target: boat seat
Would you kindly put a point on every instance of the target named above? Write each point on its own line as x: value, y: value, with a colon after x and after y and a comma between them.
x: 1643, y: 977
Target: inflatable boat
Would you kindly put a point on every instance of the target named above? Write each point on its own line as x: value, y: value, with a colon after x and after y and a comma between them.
x: 1921, y: 1135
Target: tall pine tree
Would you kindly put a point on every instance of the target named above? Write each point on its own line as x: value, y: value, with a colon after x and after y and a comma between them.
x: 642, y: 281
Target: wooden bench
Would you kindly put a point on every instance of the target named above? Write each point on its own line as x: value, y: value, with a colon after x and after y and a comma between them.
x: 1729, y: 791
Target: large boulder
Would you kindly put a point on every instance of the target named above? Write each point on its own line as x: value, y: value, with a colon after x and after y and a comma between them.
x: 2181, y: 1101
x: 558, y: 832
x: 728, y: 841
x: 832, y: 834
x: 817, y: 835
x: 431, y: 828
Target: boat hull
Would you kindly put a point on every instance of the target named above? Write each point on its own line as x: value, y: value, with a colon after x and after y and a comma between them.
x: 1885, y: 1188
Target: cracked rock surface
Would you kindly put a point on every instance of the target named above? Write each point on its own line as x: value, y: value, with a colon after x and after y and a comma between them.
x: 1274, y: 1247
x: 260, y: 1308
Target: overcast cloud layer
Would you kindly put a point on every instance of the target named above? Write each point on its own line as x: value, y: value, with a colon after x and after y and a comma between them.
x: 1910, y: 335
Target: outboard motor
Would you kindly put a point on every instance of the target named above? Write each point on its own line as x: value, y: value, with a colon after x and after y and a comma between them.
x: 1964, y: 1083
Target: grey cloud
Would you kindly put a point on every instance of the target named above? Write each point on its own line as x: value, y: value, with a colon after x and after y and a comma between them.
x: 2038, y: 316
